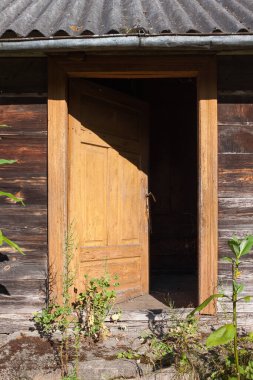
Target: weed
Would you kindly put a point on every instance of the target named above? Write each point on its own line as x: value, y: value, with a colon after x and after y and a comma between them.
x: 83, y: 317
x: 158, y: 351
x: 229, y: 332
x: 60, y: 317
x: 95, y: 303
x: 129, y: 354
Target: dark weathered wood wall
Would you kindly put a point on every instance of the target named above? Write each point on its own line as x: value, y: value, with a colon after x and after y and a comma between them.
x: 235, y: 116
x: 23, y: 107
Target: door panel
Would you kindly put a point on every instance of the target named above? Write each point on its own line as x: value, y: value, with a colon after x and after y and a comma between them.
x: 108, y: 154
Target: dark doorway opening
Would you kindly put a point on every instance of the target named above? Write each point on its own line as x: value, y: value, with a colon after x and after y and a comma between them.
x: 173, y: 180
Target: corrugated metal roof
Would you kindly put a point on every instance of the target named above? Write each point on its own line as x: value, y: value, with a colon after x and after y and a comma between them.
x: 47, y: 18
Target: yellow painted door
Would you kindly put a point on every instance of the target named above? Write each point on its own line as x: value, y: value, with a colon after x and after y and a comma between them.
x: 108, y: 183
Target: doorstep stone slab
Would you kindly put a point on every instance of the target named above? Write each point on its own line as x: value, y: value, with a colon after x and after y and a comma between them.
x: 164, y: 374
x: 102, y: 369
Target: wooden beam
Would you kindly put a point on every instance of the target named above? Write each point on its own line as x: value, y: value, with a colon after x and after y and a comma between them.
x: 208, y: 188
x: 57, y: 173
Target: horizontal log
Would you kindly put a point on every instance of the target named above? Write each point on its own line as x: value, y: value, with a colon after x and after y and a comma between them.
x: 15, y: 321
x: 24, y: 150
x: 28, y: 288
x: 235, y: 113
x: 23, y: 270
x: 23, y: 119
x: 235, y: 211
x: 235, y: 175
x: 33, y: 191
x: 19, y: 304
x: 23, y: 75
x: 235, y: 73
x: 236, y: 138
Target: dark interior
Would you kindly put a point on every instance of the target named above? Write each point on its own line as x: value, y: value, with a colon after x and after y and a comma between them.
x: 173, y: 181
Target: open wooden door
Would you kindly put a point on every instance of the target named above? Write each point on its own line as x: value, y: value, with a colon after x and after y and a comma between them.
x: 108, y: 162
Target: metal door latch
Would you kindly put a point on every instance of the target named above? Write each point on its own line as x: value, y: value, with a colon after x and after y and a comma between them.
x: 150, y: 194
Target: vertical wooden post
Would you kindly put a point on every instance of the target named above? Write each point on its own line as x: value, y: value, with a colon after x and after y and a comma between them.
x: 208, y: 188
x: 57, y: 174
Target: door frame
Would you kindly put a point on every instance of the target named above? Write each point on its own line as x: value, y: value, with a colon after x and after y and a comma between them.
x: 203, y: 68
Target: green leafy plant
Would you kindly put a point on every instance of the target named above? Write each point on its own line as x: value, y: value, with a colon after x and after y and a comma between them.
x: 83, y: 317
x: 158, y: 350
x: 229, y: 332
x: 184, y: 340
x: 13, y: 198
x: 178, y: 346
x: 95, y: 303
x: 129, y: 354
x: 60, y: 317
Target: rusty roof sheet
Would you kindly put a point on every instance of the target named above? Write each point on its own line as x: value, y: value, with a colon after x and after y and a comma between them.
x: 49, y: 18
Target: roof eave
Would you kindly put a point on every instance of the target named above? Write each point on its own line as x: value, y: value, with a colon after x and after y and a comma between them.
x: 117, y: 43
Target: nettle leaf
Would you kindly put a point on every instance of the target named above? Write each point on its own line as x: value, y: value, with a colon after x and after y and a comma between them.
x: 238, y: 288
x: 11, y: 244
x: 247, y: 298
x: 223, y: 335
x: 234, y: 244
x: 246, y: 245
x: 206, y: 302
x: 9, y: 162
x: 228, y: 259
x: 12, y: 197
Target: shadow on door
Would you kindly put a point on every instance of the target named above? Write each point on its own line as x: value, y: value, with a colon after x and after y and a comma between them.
x: 173, y: 181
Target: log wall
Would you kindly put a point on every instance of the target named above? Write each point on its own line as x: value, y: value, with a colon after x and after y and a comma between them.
x: 235, y: 118
x: 23, y: 107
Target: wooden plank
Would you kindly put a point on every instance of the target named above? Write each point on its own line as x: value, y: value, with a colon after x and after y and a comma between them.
x: 235, y: 175
x: 23, y: 119
x: 20, y: 288
x: 231, y: 113
x: 12, y: 322
x: 132, y: 66
x: 236, y: 138
x: 208, y: 193
x: 23, y: 75
x: 235, y: 73
x: 57, y: 171
x: 22, y: 270
x: 32, y: 189
x: 20, y: 304
x: 235, y: 211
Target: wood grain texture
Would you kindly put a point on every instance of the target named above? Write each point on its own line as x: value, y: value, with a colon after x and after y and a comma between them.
x: 57, y: 173
x: 25, y: 225
x: 208, y: 192
x: 23, y: 279
x: 235, y: 165
x: 108, y: 184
